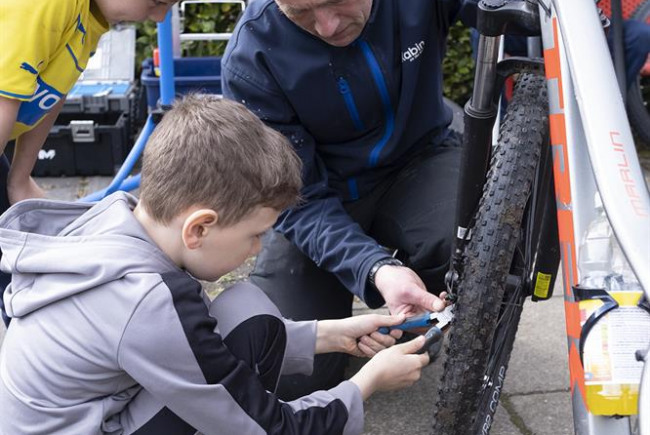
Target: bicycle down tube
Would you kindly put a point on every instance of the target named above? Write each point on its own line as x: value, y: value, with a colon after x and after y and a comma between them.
x: 593, y: 150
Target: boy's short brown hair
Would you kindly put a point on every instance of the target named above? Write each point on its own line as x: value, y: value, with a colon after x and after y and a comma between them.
x: 215, y: 153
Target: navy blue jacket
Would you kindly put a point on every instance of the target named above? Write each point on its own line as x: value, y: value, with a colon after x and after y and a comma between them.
x: 354, y: 114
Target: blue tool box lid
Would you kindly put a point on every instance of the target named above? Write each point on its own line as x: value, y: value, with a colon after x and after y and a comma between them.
x: 96, y: 89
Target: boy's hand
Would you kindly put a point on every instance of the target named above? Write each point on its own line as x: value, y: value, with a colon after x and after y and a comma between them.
x: 392, y: 369
x: 357, y: 335
x: 404, y: 291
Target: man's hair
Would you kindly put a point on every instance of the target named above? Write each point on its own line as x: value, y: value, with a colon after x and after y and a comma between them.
x: 215, y: 153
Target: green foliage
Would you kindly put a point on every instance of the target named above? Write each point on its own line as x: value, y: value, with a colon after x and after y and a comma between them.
x: 458, y: 65
x: 145, y: 42
x: 199, y: 18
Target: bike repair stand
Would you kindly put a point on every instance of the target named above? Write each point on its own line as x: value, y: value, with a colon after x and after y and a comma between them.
x: 167, y: 92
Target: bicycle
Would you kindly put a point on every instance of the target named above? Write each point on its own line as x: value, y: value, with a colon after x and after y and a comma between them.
x: 524, y: 204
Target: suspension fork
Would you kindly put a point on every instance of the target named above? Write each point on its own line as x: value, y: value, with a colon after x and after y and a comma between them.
x: 494, y: 18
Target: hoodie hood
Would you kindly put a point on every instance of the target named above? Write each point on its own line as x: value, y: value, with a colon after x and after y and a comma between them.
x: 56, y: 249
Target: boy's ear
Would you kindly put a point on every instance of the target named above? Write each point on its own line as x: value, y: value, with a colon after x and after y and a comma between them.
x: 197, y: 225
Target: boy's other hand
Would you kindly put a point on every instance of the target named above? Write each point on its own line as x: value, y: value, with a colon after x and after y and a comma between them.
x: 357, y: 335
x: 404, y: 291
x: 392, y: 369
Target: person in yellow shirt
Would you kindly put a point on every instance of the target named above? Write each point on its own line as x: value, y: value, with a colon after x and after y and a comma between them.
x: 46, y: 45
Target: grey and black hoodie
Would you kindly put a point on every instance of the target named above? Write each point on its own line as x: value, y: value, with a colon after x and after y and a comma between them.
x: 103, y: 320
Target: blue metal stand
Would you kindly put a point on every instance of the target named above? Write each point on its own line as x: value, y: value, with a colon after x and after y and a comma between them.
x: 167, y: 93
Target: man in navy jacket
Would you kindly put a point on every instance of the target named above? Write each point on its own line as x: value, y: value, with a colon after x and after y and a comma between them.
x: 356, y: 85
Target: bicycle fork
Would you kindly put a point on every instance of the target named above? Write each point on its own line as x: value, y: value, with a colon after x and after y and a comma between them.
x: 496, y: 17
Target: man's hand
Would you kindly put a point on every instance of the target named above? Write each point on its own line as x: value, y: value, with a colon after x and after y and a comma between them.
x: 357, y: 335
x: 404, y: 291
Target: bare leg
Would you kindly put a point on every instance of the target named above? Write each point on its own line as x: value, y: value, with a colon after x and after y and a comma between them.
x: 20, y: 184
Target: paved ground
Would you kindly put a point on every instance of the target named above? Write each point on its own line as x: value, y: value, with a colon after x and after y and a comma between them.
x: 536, y: 392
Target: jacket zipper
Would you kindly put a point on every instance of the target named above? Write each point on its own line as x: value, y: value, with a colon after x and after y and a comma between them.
x: 385, y: 100
x: 344, y: 89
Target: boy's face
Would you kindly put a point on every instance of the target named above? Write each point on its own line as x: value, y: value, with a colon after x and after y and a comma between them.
x: 337, y: 22
x: 223, y: 249
x: 115, y: 11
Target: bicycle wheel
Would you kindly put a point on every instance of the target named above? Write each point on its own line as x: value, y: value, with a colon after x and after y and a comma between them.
x: 490, y: 290
x: 638, y: 95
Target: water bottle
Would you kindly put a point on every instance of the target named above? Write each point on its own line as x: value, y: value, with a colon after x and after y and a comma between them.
x: 602, y: 263
x: 595, y: 257
x: 611, y: 371
x: 622, y: 277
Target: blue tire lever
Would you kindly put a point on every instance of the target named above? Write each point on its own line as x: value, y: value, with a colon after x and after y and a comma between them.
x: 411, y: 323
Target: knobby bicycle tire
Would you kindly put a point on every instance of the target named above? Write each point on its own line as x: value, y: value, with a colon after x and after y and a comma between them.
x: 487, y: 311
x: 638, y: 110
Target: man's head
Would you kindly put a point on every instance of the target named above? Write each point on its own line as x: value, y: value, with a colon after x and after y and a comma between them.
x: 215, y: 171
x: 115, y: 11
x: 337, y: 22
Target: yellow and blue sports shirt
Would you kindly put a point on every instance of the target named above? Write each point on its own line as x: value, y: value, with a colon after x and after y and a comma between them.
x: 46, y: 45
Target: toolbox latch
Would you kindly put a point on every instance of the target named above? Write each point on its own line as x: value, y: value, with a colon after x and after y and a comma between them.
x: 96, y: 103
x: 82, y: 130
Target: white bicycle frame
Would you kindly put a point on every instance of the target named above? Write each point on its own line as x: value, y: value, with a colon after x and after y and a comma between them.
x: 593, y: 150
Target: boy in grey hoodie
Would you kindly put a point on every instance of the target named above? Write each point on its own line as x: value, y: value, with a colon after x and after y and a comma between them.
x: 112, y: 332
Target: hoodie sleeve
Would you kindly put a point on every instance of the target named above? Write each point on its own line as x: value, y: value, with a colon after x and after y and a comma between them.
x: 320, y: 227
x: 169, y: 347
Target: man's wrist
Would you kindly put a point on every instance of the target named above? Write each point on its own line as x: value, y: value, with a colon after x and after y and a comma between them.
x: 390, y: 261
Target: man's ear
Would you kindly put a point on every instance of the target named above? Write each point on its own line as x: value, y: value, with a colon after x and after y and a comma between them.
x: 197, y: 226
